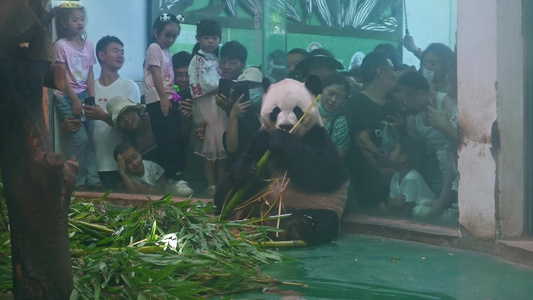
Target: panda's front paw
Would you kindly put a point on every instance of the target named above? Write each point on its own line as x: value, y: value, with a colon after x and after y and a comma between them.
x: 243, y: 170
x: 306, y: 226
x: 299, y: 226
x: 280, y: 139
x: 312, y: 226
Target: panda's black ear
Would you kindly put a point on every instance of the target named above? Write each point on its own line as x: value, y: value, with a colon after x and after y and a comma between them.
x: 313, y: 84
x: 266, y: 84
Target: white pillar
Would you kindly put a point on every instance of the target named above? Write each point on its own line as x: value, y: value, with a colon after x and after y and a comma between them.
x: 490, y: 88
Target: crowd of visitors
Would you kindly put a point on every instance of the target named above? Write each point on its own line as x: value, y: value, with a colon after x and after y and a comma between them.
x: 394, y: 126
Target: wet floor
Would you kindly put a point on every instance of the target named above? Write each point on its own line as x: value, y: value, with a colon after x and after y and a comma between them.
x: 364, y: 267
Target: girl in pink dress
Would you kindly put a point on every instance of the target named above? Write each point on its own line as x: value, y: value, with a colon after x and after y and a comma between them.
x: 75, y: 54
x: 158, y: 90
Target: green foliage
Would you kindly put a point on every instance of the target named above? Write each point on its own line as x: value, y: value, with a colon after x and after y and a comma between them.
x: 4, y: 221
x: 164, y: 251
x: 5, y: 246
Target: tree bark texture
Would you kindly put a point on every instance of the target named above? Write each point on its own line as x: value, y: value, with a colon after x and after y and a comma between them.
x: 37, y: 182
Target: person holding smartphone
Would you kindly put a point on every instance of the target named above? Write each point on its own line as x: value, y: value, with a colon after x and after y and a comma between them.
x: 222, y: 98
x: 423, y: 105
x: 106, y: 136
x: 243, y: 119
x: 435, y: 61
x: 233, y: 57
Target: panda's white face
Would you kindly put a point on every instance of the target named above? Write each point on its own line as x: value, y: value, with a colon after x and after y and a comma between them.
x: 284, y: 104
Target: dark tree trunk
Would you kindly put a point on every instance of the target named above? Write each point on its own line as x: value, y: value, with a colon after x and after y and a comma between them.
x: 37, y: 182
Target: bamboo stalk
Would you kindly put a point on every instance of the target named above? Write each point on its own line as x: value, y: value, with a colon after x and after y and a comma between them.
x: 294, y: 283
x: 94, y: 226
x: 306, y: 112
x: 137, y: 242
x: 156, y: 249
x: 279, y: 244
x: 237, y: 198
x: 145, y: 250
x: 262, y: 219
x: 89, y: 231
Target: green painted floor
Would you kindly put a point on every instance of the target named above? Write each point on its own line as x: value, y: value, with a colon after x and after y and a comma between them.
x: 365, y: 267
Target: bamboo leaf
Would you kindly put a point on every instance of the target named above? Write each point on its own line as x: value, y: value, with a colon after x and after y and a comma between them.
x: 110, y: 260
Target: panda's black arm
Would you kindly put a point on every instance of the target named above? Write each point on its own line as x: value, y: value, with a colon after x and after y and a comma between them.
x: 258, y: 145
x: 242, y: 170
x: 313, y: 162
x: 244, y: 167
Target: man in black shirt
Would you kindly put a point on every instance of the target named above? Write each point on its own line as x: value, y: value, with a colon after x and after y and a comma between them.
x: 370, y: 176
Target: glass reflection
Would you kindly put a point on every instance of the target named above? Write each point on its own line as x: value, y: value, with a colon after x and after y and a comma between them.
x: 389, y: 96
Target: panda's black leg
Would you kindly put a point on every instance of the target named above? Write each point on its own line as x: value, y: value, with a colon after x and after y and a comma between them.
x: 221, y: 193
x: 314, y: 226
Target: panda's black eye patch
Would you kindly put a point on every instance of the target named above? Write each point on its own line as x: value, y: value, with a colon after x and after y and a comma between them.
x: 274, y: 114
x: 298, y: 112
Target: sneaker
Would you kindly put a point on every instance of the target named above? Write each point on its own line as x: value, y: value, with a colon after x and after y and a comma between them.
x: 210, y: 192
x: 181, y: 188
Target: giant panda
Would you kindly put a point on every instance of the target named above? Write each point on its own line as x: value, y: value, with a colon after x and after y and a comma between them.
x: 316, y: 193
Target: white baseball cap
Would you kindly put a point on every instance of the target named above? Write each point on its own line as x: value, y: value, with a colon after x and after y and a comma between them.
x: 118, y: 104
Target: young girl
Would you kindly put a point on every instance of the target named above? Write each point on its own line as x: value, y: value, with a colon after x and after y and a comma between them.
x: 74, y: 53
x: 409, y: 193
x: 204, y: 74
x: 158, y: 86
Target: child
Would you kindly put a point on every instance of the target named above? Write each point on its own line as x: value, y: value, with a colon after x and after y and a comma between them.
x: 74, y: 53
x: 138, y: 175
x: 137, y: 130
x: 204, y: 74
x: 158, y: 83
x: 409, y: 194
x: 181, y: 62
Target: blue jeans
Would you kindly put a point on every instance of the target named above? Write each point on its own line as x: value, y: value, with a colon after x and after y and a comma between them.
x: 80, y: 143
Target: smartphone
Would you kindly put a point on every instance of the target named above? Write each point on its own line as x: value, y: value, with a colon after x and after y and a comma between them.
x: 241, y: 89
x: 89, y: 101
x: 224, y: 86
x: 186, y: 94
